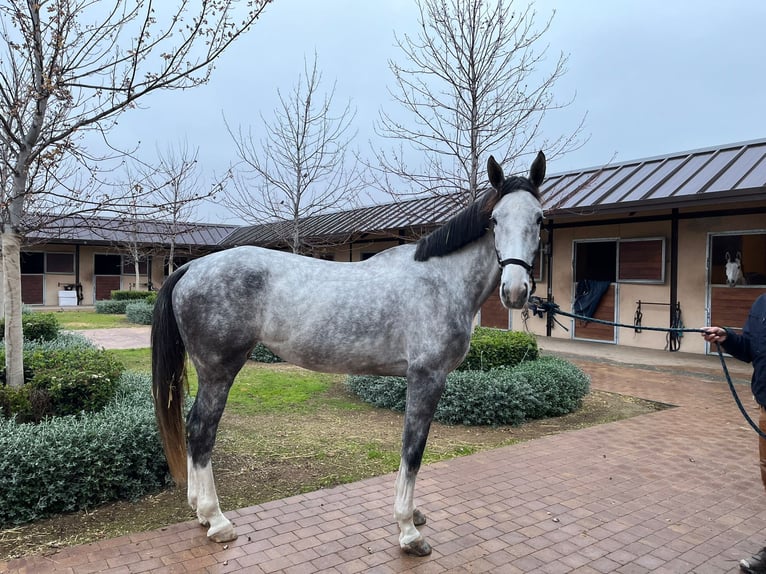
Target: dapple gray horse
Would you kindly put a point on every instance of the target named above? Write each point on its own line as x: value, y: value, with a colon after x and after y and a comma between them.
x: 407, y: 311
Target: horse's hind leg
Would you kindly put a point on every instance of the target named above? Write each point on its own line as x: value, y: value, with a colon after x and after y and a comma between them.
x: 201, y: 428
x: 423, y: 392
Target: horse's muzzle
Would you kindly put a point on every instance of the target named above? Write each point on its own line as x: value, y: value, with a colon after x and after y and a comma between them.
x: 514, y: 295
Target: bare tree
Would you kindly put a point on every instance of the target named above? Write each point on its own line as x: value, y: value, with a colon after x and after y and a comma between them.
x: 471, y: 87
x: 302, y: 166
x: 178, y: 189
x: 133, y: 224
x: 69, y: 67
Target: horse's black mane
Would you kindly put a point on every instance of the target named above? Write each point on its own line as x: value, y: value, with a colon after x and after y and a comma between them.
x: 470, y: 224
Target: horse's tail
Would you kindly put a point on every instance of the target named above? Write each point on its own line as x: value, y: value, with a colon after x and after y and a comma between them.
x: 169, y: 378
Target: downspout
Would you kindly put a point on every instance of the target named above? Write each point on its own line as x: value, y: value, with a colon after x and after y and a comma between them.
x: 673, y: 267
x: 549, y: 272
x: 77, y: 284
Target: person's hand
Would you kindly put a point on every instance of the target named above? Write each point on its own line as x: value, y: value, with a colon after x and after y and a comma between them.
x: 714, y: 335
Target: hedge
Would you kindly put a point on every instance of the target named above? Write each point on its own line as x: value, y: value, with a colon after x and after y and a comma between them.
x: 60, y: 381
x: 122, y: 295
x: 139, y: 312
x: 72, y: 463
x: 35, y: 326
x: 492, y: 348
x: 112, y: 307
x: 547, y: 387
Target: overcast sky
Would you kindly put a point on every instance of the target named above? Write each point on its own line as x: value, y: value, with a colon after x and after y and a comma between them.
x: 653, y: 76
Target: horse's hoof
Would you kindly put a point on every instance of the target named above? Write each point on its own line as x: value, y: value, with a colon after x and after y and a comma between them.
x: 418, y: 517
x: 226, y: 534
x: 417, y: 547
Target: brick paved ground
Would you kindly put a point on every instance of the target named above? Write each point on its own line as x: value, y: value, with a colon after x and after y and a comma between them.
x: 669, y: 492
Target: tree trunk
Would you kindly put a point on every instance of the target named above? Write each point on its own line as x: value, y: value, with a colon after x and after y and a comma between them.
x: 14, y: 339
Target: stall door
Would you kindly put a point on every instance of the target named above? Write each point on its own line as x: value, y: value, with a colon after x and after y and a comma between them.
x: 107, y: 276
x: 729, y: 306
x: 596, y: 261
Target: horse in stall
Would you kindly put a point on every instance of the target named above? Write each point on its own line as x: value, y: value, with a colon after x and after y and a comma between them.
x: 407, y: 311
x: 734, y: 273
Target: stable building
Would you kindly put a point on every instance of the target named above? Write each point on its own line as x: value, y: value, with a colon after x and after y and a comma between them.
x: 644, y: 242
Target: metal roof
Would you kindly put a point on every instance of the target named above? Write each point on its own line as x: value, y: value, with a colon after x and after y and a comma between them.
x: 706, y: 176
x: 113, y: 231
x: 383, y: 218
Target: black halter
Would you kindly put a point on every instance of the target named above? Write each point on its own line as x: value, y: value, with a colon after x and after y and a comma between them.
x: 521, y: 263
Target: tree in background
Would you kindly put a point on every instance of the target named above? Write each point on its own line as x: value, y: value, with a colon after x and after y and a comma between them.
x: 302, y: 166
x: 472, y: 86
x: 70, y: 67
x: 178, y: 189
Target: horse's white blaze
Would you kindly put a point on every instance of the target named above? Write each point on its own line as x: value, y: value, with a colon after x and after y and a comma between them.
x: 202, y: 496
x: 517, y: 235
x: 404, y: 505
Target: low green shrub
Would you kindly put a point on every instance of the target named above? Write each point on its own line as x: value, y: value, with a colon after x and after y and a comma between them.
x: 261, y: 354
x: 558, y: 385
x: 381, y: 392
x: 111, y: 307
x: 139, y: 312
x: 493, y: 348
x: 122, y: 295
x: 59, y: 382
x: 36, y: 326
x: 72, y: 463
x: 543, y: 388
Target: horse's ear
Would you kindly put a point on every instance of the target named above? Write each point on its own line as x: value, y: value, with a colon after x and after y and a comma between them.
x: 495, y: 173
x: 728, y: 257
x: 739, y: 256
x: 537, y: 171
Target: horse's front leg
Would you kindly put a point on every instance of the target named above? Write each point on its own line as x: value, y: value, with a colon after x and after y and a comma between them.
x: 423, y: 392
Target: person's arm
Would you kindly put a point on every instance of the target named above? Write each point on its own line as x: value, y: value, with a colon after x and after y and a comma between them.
x: 738, y: 346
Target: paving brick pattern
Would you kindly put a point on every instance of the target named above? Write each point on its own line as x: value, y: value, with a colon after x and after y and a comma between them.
x: 669, y: 492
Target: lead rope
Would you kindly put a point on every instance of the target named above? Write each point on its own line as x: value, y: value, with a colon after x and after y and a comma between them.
x: 553, y: 308
x: 736, y: 396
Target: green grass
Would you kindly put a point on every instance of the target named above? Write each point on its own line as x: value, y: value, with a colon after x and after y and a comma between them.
x: 261, y: 388
x: 76, y: 320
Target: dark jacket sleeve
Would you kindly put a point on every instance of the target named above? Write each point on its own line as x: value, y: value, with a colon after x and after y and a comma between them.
x: 738, y: 346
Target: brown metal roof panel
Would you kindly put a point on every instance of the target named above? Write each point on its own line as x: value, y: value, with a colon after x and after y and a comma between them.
x: 685, y: 172
x: 740, y: 170
x: 554, y: 190
x: 632, y: 180
x: 600, y: 182
x: 575, y: 190
x: 700, y: 181
x: 756, y: 177
x: 661, y: 171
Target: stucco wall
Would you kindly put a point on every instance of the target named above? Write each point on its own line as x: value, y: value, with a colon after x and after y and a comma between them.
x: 693, y: 279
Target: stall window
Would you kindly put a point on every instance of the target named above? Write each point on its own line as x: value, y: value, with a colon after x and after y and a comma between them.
x: 641, y: 261
x: 59, y: 262
x: 32, y: 262
x: 596, y: 260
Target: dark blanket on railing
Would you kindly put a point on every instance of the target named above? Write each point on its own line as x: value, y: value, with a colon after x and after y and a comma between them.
x: 588, y: 294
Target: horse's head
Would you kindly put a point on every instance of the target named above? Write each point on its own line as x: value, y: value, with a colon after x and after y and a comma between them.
x: 733, y: 269
x: 516, y: 217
